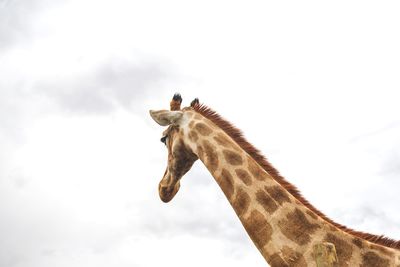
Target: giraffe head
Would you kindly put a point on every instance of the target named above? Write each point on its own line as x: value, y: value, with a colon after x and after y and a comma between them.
x: 180, y: 155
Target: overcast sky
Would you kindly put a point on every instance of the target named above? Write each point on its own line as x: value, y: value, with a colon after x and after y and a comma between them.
x: 314, y: 85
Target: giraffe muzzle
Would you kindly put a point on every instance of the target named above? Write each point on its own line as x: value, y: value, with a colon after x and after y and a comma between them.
x: 168, y: 187
x: 167, y: 193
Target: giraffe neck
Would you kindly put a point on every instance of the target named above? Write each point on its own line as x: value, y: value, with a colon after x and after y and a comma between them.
x: 282, y: 228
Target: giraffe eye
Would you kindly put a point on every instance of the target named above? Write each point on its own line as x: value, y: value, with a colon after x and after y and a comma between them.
x: 164, y: 140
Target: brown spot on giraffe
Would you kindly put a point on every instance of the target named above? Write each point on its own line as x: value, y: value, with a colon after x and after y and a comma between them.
x: 258, y: 228
x: 278, y: 194
x: 277, y: 261
x: 294, y: 258
x: 210, y: 156
x: 200, y: 152
x: 226, y: 183
x: 371, y: 259
x: 223, y: 141
x: 244, y: 176
x: 241, y: 202
x: 333, y: 228
x: 312, y: 214
x: 203, y: 129
x: 193, y: 136
x: 357, y: 241
x: 232, y: 157
x: 344, y: 250
x: 266, y: 201
x: 297, y: 228
x: 383, y: 250
x: 191, y: 124
x: 256, y: 170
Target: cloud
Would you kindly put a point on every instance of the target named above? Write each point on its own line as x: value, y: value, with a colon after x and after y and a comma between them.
x: 389, y: 127
x: 116, y: 83
x: 391, y: 166
x: 16, y: 19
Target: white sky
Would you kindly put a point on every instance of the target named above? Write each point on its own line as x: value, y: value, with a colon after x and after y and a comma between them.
x: 314, y: 85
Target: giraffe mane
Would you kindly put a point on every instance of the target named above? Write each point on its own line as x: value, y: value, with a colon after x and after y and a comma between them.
x: 239, y: 138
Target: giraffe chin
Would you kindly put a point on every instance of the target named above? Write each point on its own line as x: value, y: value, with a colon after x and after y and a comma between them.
x: 167, y: 193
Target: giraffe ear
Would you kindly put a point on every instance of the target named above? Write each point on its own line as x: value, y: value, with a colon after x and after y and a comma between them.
x: 166, y: 117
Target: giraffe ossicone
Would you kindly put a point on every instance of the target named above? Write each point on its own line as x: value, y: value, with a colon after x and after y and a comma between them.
x: 286, y: 228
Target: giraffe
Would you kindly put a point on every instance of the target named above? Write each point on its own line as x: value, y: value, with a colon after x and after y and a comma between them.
x: 286, y: 228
